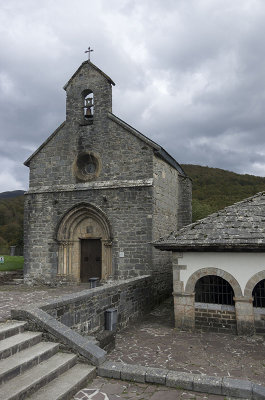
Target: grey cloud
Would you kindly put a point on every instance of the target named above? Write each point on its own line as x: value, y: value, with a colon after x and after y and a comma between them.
x: 190, y: 75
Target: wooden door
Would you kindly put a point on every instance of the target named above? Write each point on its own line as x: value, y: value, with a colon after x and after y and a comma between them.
x: 90, y: 259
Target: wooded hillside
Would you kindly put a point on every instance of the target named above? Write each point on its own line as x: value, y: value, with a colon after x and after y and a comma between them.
x: 214, y: 188
x: 11, y: 222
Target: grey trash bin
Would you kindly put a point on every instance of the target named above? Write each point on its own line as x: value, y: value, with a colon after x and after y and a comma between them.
x: 111, y: 317
x: 93, y: 282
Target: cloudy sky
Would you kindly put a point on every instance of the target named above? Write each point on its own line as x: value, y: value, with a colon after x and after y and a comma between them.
x: 189, y: 74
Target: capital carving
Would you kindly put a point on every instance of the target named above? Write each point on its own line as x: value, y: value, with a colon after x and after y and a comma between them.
x: 108, y: 243
x: 66, y: 243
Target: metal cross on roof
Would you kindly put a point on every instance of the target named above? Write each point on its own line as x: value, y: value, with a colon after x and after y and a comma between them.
x: 89, y: 50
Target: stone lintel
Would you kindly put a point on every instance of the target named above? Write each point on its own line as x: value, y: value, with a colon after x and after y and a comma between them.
x: 114, y: 184
x: 179, y: 267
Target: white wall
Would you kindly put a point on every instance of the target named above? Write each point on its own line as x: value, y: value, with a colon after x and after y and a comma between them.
x: 242, y: 266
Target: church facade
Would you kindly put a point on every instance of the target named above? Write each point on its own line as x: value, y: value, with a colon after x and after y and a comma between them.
x: 99, y: 194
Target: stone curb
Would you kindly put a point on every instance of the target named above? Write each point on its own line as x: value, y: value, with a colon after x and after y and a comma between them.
x: 64, y: 334
x: 182, y: 380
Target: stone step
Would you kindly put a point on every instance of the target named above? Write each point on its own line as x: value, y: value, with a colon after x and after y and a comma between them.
x: 66, y: 385
x: 25, y: 359
x: 18, y: 342
x: 11, y: 328
x: 22, y: 386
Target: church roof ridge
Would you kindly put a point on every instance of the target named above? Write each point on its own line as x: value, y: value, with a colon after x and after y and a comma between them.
x: 89, y: 63
x: 240, y: 226
x: 159, y: 151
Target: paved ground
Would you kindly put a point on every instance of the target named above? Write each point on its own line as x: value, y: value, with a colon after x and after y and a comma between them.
x: 110, y: 389
x: 155, y: 342
x: 12, y: 296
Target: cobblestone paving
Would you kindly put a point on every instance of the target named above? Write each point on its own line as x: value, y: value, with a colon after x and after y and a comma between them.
x: 155, y: 342
x: 13, y: 296
x: 110, y: 389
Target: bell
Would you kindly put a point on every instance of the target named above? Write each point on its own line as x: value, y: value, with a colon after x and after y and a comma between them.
x: 88, y: 114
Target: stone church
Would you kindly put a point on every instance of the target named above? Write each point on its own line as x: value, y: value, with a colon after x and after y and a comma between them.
x: 100, y: 193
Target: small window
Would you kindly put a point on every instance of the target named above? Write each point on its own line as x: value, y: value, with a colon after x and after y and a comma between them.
x: 214, y: 289
x: 258, y: 294
x: 87, y: 166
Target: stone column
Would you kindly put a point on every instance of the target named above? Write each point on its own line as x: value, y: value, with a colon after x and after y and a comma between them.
x: 106, y: 259
x: 65, y: 258
x: 244, y: 316
x: 184, y: 309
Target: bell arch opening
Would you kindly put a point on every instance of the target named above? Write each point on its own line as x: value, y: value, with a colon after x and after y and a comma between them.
x: 88, y: 106
x: 85, y: 244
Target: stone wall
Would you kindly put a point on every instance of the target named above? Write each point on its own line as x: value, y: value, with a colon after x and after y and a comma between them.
x: 259, y: 320
x: 8, y: 276
x: 184, y: 201
x: 128, y: 211
x: 215, y: 317
x: 165, y: 217
x: 85, y: 311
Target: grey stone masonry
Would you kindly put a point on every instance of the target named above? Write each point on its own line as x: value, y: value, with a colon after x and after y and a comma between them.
x: 215, y: 317
x: 102, y: 164
x: 84, y: 313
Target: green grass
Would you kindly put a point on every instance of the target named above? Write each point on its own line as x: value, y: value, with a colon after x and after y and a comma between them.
x: 12, y: 263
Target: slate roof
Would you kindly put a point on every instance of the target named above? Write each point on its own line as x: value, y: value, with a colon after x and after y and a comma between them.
x: 240, y: 227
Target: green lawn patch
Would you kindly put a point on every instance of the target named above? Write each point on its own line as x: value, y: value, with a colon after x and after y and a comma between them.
x: 12, y: 263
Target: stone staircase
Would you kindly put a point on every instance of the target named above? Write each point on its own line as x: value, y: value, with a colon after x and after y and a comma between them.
x: 33, y: 369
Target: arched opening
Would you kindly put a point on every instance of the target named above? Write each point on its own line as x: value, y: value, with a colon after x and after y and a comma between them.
x: 258, y: 294
x: 215, y: 290
x: 85, y: 244
x: 214, y: 304
x: 190, y: 285
x: 255, y: 288
x: 88, y: 106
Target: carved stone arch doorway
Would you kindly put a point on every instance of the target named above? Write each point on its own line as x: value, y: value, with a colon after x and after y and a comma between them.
x: 85, y: 244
